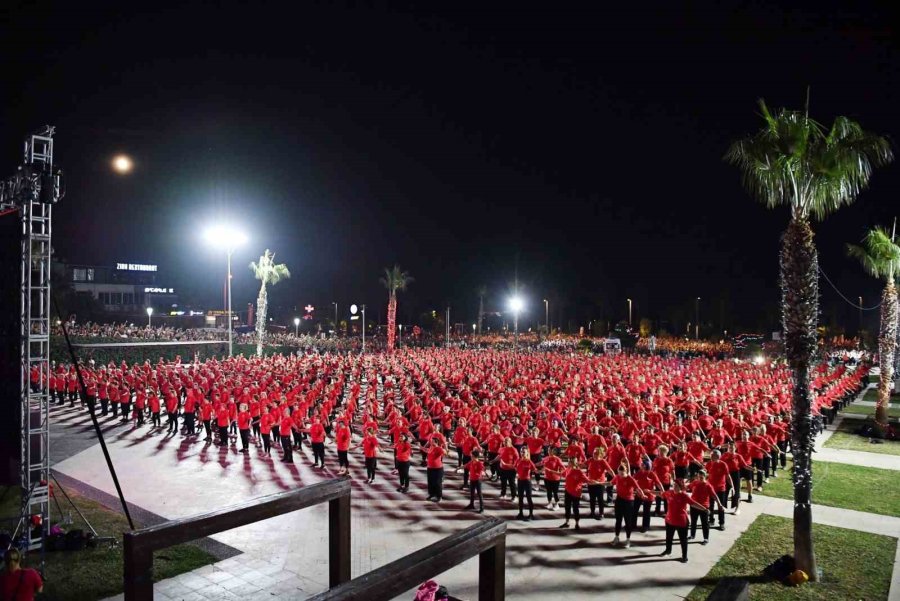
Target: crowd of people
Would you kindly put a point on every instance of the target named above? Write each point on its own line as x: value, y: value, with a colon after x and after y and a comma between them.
x: 647, y: 435
x: 685, y: 346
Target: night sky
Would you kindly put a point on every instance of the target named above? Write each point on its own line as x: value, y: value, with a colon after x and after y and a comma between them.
x: 582, y: 146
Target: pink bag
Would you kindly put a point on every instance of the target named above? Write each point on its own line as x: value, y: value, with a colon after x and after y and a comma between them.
x: 426, y: 591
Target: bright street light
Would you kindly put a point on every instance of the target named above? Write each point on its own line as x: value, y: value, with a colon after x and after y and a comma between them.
x: 516, y: 304
x: 296, y: 326
x: 149, y: 316
x: 226, y: 237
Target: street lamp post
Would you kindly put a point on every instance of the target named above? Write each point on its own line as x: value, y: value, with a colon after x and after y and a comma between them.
x: 859, y: 327
x: 363, y: 308
x: 447, y: 325
x: 400, y: 337
x: 228, y: 238
x: 335, y: 318
x: 296, y: 327
x: 516, y: 304
x: 697, y: 320
x: 149, y: 317
x: 547, y: 315
x: 629, y: 312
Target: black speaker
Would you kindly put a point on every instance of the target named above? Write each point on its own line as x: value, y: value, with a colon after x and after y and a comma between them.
x: 10, y: 351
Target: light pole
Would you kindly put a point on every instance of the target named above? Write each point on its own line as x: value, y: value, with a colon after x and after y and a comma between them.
x: 859, y: 327
x: 447, y: 325
x: 227, y: 238
x: 547, y: 315
x: 296, y: 327
x: 516, y: 304
x: 149, y: 317
x: 400, y: 337
x: 629, y: 312
x: 697, y: 320
x: 335, y: 318
x: 363, y: 308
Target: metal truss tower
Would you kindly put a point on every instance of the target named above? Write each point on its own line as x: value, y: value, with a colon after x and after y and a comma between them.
x: 32, y: 191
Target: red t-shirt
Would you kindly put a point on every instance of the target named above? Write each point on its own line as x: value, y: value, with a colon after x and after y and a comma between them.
x: 677, y: 512
x: 524, y: 467
x: 317, y: 433
x: 625, y: 487
x: 718, y: 475
x: 575, y: 481
x: 20, y: 585
x: 243, y: 420
x: 404, y: 450
x: 435, y: 458
x: 476, y: 470
x: 370, y: 447
x: 508, y: 457
x: 554, y: 464
x: 342, y: 437
x: 597, y: 469
x: 702, y: 491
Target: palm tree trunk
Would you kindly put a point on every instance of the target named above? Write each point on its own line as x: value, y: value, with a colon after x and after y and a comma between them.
x: 799, y: 305
x: 886, y: 339
x: 391, y: 321
x: 262, y: 307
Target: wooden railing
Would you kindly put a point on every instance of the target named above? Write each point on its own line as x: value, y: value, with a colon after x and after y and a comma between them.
x: 140, y: 544
x: 487, y: 539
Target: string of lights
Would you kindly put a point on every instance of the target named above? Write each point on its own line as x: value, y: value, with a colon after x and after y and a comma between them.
x: 850, y: 302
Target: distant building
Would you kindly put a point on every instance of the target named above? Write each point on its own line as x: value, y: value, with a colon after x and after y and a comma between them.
x: 123, y: 287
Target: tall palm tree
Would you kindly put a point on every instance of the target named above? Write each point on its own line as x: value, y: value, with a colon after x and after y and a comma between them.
x: 880, y: 257
x: 268, y: 273
x: 482, y: 292
x: 394, y: 279
x: 797, y: 162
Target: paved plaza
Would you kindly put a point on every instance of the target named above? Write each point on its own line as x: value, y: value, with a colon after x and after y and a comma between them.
x: 286, y: 557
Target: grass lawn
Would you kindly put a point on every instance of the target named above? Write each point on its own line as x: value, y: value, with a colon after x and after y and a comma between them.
x: 893, y: 408
x: 849, y: 486
x: 97, y: 573
x: 855, y: 565
x: 845, y: 438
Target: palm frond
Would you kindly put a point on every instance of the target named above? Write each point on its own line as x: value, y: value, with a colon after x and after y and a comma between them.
x: 395, y: 279
x: 879, y: 255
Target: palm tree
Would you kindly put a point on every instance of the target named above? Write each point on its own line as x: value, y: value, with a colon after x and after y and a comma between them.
x: 267, y: 272
x: 880, y: 257
x: 482, y: 292
x: 394, y: 279
x: 795, y: 161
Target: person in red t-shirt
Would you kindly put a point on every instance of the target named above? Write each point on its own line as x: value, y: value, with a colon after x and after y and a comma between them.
x: 265, y: 429
x: 284, y: 431
x: 703, y: 494
x: 627, y: 488
x: 403, y: 454
x: 553, y: 472
x: 575, y: 481
x: 649, y: 482
x: 475, y: 468
x: 677, y: 518
x: 243, y: 420
x: 18, y: 583
x: 435, y: 468
x: 369, y: 444
x: 597, y: 469
x: 342, y: 438
x: 507, y: 456
x: 720, y: 479
x: 524, y: 469
x: 317, y: 442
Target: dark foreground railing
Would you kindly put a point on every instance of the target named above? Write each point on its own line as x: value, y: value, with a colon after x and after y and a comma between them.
x: 486, y: 539
x: 140, y: 544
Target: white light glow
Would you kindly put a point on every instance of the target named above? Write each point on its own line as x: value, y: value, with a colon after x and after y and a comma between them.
x: 759, y: 360
x: 225, y: 236
x: 122, y: 164
x: 149, y: 310
x: 516, y: 304
x: 296, y: 321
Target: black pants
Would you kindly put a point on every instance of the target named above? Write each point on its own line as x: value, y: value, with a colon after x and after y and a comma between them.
x: 371, y: 465
x: 645, y: 520
x: 572, y: 505
x: 104, y: 406
x: 525, y: 492
x: 245, y: 439
x: 255, y: 426
x: 767, y: 465
x: 173, y: 423
x: 208, y: 427
x: 758, y: 464
x: 723, y: 500
x: 344, y: 460
x: 154, y: 418
x: 662, y: 504
x: 267, y: 443
x: 403, y: 472
x: 223, y: 435
x: 115, y: 409
x: 704, y: 522
x: 286, y: 447
x: 552, y: 490
x: 782, y: 453
x: 189, y: 423
x: 682, y: 538
x: 624, y: 508
x: 126, y: 408
x: 465, y: 462
x: 318, y: 449
x: 595, y: 497
x: 140, y: 417
x: 490, y: 461
x: 475, y: 491
x: 508, y: 477
x: 736, y: 491
x: 436, y: 482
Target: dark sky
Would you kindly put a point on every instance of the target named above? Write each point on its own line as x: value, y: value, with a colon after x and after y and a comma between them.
x: 583, y: 146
